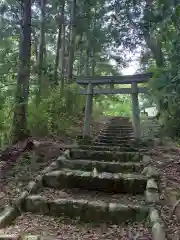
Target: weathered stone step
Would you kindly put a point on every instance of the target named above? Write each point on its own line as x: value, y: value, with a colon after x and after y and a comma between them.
x: 120, y: 145
x: 108, y: 144
x: 86, y: 211
x: 115, y: 143
x: 116, y: 131
x: 88, y: 165
x: 118, y: 126
x: 121, y: 121
x: 107, y: 148
x: 114, y: 140
x: 106, y: 182
x: 116, y: 136
x: 105, y: 155
x: 76, y: 193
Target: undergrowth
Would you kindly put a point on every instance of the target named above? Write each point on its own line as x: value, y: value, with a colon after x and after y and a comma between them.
x: 55, y: 115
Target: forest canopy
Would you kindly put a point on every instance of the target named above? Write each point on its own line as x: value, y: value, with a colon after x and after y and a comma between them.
x: 44, y: 44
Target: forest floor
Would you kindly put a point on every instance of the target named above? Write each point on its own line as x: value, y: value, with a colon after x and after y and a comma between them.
x: 167, y: 161
x: 15, y: 174
x: 18, y: 166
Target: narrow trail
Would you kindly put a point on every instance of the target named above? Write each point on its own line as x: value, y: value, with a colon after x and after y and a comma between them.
x: 166, y: 160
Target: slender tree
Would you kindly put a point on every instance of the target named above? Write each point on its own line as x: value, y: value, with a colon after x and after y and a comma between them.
x: 62, y: 59
x: 41, y: 53
x: 72, y: 39
x: 59, y: 38
x: 19, y: 130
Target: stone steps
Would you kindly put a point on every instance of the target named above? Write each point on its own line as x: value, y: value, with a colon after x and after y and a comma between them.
x: 101, y: 166
x: 105, y: 135
x: 118, y: 130
x: 105, y: 182
x: 98, y: 183
x: 85, y: 210
x: 115, y: 138
x: 112, y: 145
x: 107, y: 144
x: 114, y: 141
x: 105, y: 155
x: 116, y: 133
x: 93, y: 195
x: 125, y: 148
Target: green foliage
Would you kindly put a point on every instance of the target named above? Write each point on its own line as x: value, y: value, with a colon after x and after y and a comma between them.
x: 113, y: 106
x: 55, y: 114
x: 103, y: 31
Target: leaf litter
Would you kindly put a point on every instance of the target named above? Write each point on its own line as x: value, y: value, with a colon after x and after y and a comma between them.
x: 167, y: 161
x: 24, y: 168
x: 67, y: 229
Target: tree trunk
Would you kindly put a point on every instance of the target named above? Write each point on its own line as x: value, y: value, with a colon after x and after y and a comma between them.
x: 41, y: 53
x: 72, y: 40
x: 88, y: 41
x: 61, y: 22
x: 80, y: 52
x: 151, y: 42
x: 63, y: 60
x: 19, y: 127
x: 34, y: 44
x: 87, y: 70
x: 93, y: 64
x: 93, y: 45
x: 81, y: 62
x: 155, y: 48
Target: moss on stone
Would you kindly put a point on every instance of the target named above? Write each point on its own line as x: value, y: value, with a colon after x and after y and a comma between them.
x: 150, y: 172
x: 152, y: 197
x: 101, y: 166
x: 8, y: 215
x: 83, y: 140
x: 87, y: 211
x: 36, y: 204
x: 125, y: 148
x: 107, y: 182
x: 105, y: 155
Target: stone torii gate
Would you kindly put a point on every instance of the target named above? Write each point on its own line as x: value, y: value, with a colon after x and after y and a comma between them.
x: 90, y: 82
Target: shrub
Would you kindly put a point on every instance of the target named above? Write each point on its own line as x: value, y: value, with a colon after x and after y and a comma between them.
x: 56, y: 113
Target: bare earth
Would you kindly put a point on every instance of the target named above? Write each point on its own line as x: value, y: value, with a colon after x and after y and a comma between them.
x: 63, y: 229
x: 168, y: 164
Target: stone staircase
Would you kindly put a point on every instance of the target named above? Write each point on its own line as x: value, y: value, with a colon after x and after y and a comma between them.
x: 85, y: 177
x: 101, y: 183
x: 118, y: 132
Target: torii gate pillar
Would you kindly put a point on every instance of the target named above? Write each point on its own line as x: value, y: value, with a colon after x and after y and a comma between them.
x: 135, y: 111
x: 88, y: 110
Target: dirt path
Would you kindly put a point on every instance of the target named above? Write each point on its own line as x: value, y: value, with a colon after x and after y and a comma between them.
x: 62, y: 229
x: 168, y: 164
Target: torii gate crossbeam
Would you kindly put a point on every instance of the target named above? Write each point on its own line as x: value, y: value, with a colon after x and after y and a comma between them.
x: 90, y: 82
